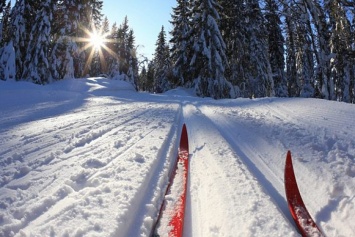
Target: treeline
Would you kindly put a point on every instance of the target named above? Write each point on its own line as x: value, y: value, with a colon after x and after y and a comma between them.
x: 251, y: 48
x: 221, y: 48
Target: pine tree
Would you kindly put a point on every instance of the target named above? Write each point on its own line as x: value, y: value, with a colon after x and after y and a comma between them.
x: 64, y: 32
x: 143, y: 76
x: 112, y: 46
x: 208, y: 52
x: 122, y: 50
x: 234, y: 29
x: 5, y: 34
x: 22, y: 21
x: 291, y: 67
x: 149, y: 85
x: 180, y: 51
x: 7, y: 53
x: 96, y: 7
x: 304, y: 53
x: 132, y: 72
x: 276, y: 47
x: 259, y: 72
x: 37, y: 62
x: 341, y: 65
x: 326, y: 86
x: 98, y: 62
x: 88, y: 15
x: 161, y: 63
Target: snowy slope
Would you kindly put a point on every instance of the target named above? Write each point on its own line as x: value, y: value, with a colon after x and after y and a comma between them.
x: 91, y: 157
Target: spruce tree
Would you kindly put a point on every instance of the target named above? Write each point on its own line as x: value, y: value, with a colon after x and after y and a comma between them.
x: 5, y: 29
x: 161, y: 63
x: 112, y: 46
x: 21, y: 15
x: 233, y: 26
x: 291, y: 67
x: 132, y: 72
x: 149, y: 85
x: 64, y: 32
x: 259, y: 72
x: 37, y: 63
x: 304, y: 53
x: 276, y: 47
x: 325, y: 85
x: 122, y: 51
x: 340, y: 42
x: 180, y: 50
x: 208, y: 52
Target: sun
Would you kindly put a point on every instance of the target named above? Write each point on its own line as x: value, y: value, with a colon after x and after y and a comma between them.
x: 97, y: 40
x: 99, y: 43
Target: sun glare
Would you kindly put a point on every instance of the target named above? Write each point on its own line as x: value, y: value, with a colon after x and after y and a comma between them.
x: 97, y: 40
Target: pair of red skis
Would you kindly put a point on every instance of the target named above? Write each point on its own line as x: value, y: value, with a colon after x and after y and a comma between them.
x: 304, y: 222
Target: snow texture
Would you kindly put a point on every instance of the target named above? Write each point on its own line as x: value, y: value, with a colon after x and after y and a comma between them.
x: 92, y: 157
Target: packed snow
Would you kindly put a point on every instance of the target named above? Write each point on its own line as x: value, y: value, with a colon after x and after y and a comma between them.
x: 92, y: 157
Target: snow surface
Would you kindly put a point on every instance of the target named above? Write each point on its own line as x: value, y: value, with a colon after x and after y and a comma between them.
x: 91, y: 157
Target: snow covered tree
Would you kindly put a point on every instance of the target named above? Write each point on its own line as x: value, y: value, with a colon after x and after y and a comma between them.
x: 132, y: 72
x: 180, y: 50
x: 142, y: 84
x: 162, y: 64
x: 304, y: 53
x: 340, y: 41
x: 22, y: 20
x: 149, y: 85
x: 326, y: 86
x: 259, y: 71
x: 276, y: 47
x: 96, y: 7
x: 123, y: 62
x: 98, y: 62
x: 87, y: 14
x: 232, y: 28
x: 5, y: 23
x: 208, y: 52
x: 37, y: 63
x: 64, y: 30
x: 291, y: 67
x: 7, y: 52
x: 112, y: 56
x: 122, y: 50
x: 7, y: 62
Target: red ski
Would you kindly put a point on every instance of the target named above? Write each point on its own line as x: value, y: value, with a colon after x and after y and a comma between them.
x: 172, y: 211
x: 301, y: 216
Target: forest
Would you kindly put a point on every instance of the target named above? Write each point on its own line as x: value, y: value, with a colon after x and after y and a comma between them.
x: 220, y: 48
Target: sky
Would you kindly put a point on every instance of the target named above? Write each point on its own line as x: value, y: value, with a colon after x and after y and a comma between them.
x: 145, y: 17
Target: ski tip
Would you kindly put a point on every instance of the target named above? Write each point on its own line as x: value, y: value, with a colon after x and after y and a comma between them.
x: 184, y: 140
x: 288, y: 156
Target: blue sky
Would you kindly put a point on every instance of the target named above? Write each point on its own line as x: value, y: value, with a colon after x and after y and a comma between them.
x: 145, y: 17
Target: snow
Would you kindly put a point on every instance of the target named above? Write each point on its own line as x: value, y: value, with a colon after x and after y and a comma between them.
x: 92, y: 157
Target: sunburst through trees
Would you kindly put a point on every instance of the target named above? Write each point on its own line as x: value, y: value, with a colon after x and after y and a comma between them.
x: 98, y: 42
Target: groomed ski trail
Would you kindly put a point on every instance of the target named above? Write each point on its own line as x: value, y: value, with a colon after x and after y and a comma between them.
x: 261, y: 131
x: 84, y: 189
x: 220, y: 183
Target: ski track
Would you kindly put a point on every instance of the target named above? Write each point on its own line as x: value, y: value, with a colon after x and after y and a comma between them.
x: 249, y: 134
x: 219, y: 184
x: 89, y: 161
